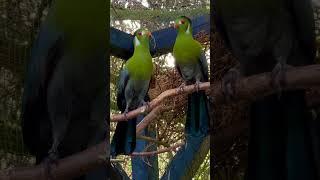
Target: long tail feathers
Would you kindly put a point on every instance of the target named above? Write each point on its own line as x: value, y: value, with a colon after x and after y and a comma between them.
x: 197, y: 121
x: 124, y: 139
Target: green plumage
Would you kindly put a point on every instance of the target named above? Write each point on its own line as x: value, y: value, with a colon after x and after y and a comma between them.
x: 86, y: 22
x: 186, y: 50
x: 132, y: 90
x: 64, y: 106
x: 140, y: 64
x: 262, y: 35
x: 192, y: 65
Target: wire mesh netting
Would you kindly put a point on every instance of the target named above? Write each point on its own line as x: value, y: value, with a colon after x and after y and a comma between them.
x: 19, y: 23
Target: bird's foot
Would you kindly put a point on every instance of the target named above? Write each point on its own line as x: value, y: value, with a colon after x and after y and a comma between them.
x: 229, y: 83
x: 125, y: 113
x: 278, y: 77
x: 181, y: 88
x: 51, y: 159
x: 197, y: 85
x: 146, y: 107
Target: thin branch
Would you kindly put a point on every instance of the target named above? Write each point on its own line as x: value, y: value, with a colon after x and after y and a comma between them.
x: 117, y: 160
x: 153, y: 140
x: 152, y: 153
x: 147, y: 119
x: 158, y: 100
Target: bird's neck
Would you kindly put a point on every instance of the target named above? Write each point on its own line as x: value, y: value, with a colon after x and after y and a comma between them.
x: 185, y: 34
x: 143, y: 47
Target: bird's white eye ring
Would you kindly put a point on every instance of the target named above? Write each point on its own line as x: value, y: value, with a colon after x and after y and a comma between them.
x: 182, y: 21
x: 140, y: 33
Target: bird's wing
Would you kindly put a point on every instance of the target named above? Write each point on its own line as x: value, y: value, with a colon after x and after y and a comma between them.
x: 122, y: 83
x: 178, y: 68
x: 204, y: 66
x: 46, y: 53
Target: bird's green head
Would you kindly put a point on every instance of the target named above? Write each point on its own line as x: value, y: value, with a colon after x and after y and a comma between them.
x: 83, y: 22
x: 183, y: 24
x: 142, y: 37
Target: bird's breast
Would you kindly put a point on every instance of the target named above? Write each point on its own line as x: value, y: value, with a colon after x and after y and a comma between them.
x: 140, y: 67
x: 186, y: 53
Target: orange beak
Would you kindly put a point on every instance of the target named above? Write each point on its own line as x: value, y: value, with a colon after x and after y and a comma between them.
x: 149, y: 34
x: 176, y: 26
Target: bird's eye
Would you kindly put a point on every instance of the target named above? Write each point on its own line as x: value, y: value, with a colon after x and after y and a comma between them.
x: 182, y: 21
x: 140, y: 33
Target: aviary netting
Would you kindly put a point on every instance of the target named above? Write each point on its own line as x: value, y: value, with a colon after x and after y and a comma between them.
x: 19, y: 22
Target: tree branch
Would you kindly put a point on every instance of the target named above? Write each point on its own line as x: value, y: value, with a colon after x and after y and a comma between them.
x: 258, y: 86
x: 148, y: 118
x: 151, y: 153
x: 250, y: 88
x: 67, y: 168
x: 153, y: 140
x: 158, y: 100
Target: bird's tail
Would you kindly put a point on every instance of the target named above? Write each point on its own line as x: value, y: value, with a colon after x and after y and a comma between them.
x: 124, y: 139
x: 197, y: 121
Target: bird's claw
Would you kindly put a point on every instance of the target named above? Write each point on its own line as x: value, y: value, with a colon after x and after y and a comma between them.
x: 278, y: 77
x: 125, y: 113
x: 229, y: 83
x: 147, y: 107
x: 181, y: 88
x: 52, y: 158
x: 197, y: 86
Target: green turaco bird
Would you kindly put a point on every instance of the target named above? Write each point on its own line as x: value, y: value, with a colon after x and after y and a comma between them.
x: 132, y: 91
x: 64, y: 100
x: 192, y: 65
x: 265, y: 36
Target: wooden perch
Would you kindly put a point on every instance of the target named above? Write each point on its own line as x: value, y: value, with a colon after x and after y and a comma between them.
x: 148, y: 118
x: 157, y: 101
x: 249, y: 88
x: 152, y: 153
x: 258, y: 86
x: 67, y: 168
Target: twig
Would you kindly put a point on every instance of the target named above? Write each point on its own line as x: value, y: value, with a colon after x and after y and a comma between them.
x: 147, y: 119
x: 153, y: 140
x: 155, y: 102
x: 116, y: 160
x: 151, y: 153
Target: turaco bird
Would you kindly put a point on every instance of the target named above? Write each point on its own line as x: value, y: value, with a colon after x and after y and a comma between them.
x: 133, y: 86
x: 191, y: 63
x: 64, y: 99
x: 267, y: 36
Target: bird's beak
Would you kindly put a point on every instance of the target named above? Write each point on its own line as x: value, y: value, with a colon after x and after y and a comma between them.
x: 149, y: 34
x: 176, y: 26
